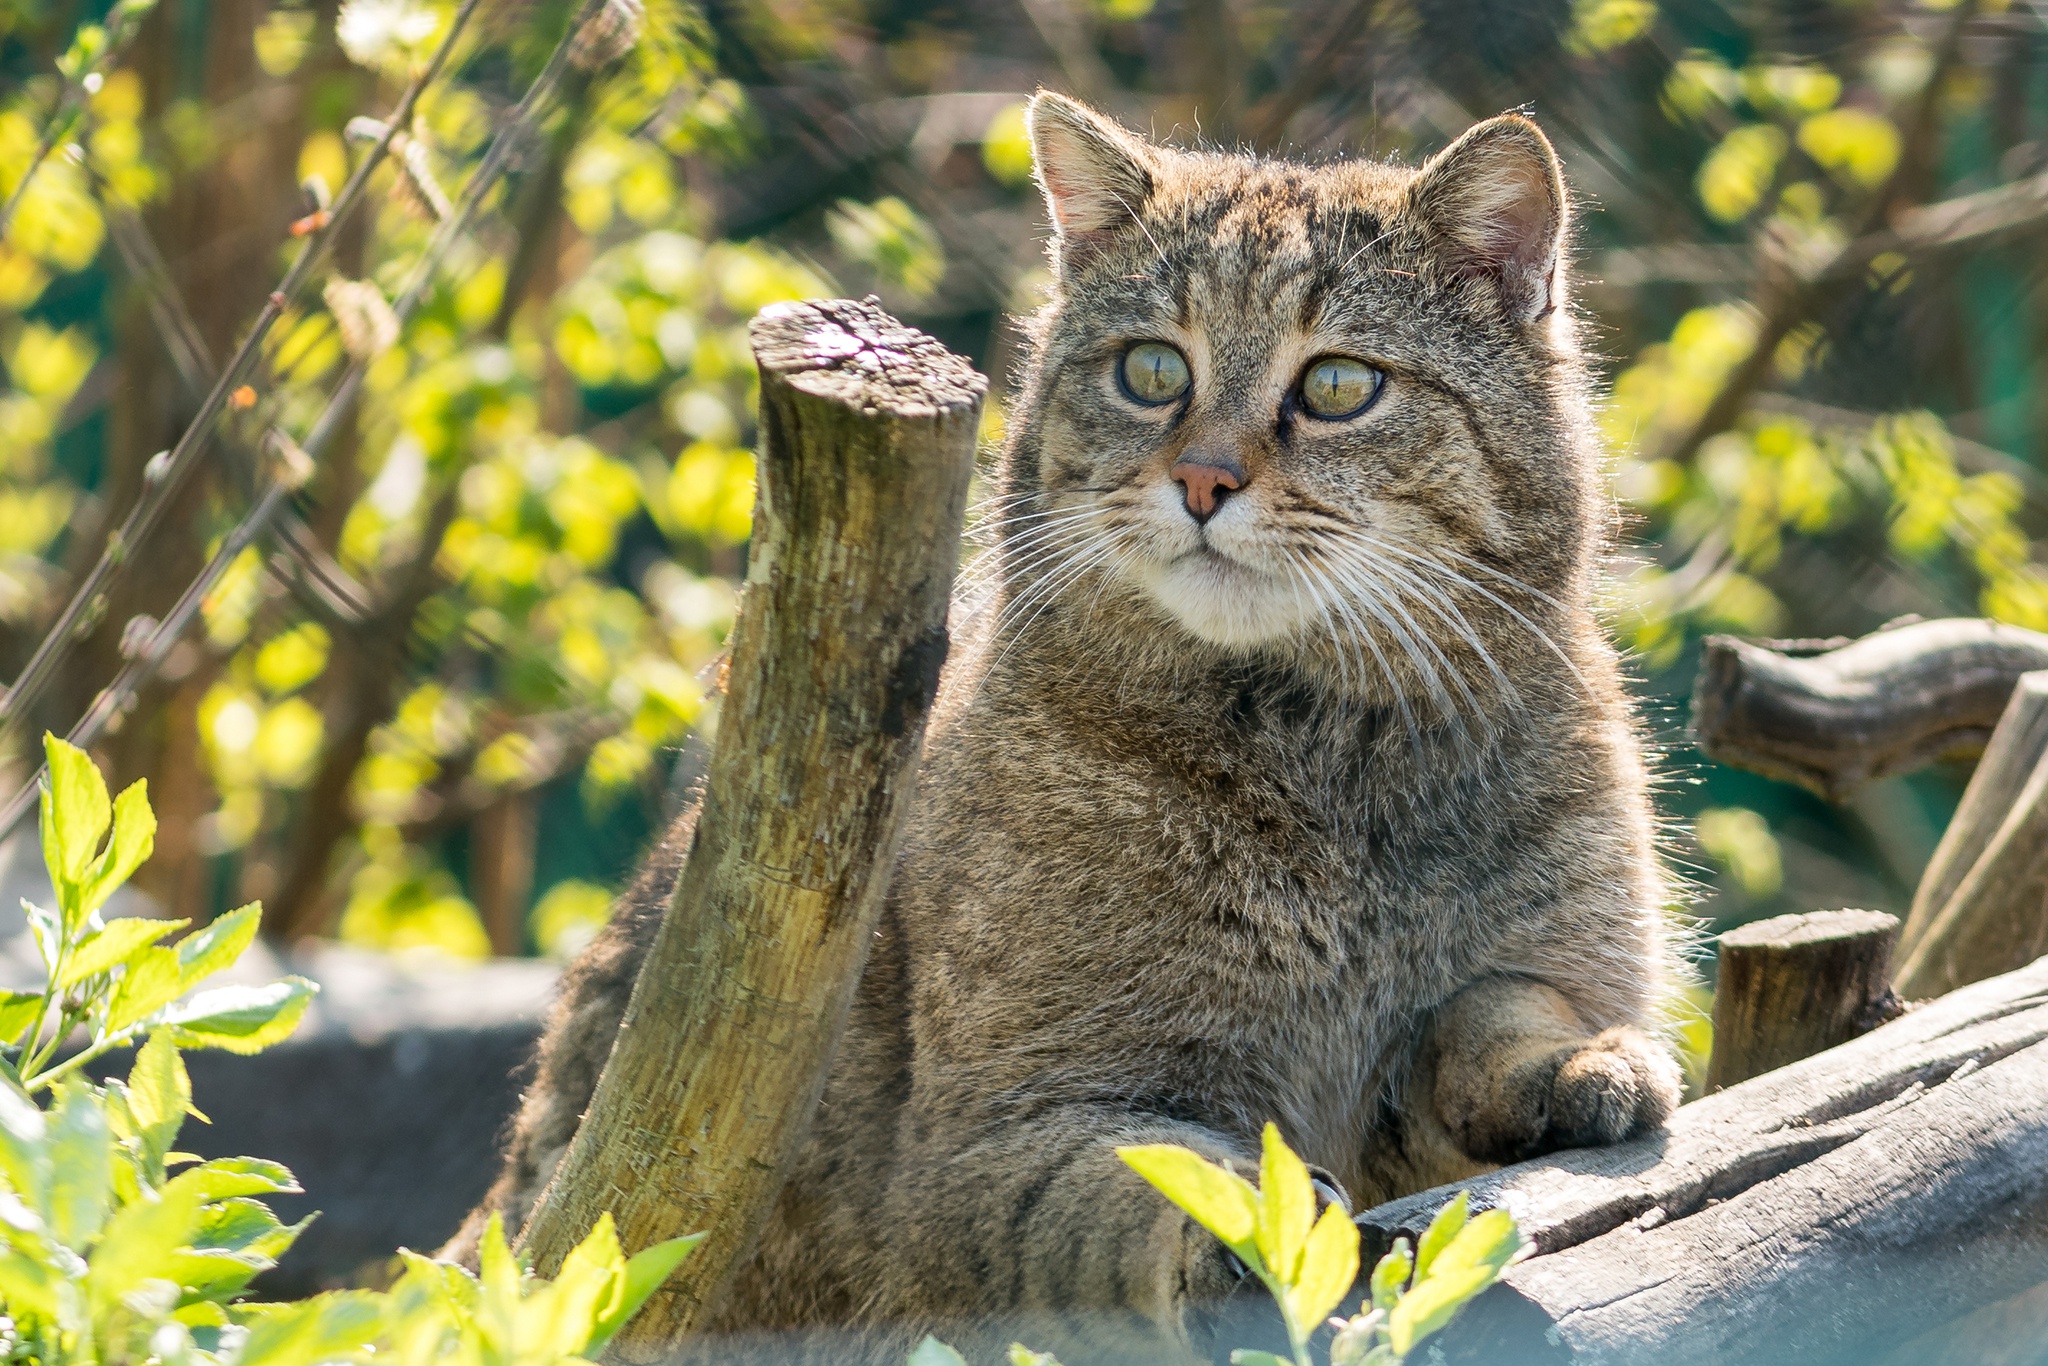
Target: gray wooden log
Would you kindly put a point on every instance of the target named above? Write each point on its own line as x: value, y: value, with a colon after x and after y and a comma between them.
x: 1979, y: 908
x: 1788, y: 987
x: 2016, y: 746
x: 1833, y: 718
x: 1828, y: 1211
x: 868, y: 430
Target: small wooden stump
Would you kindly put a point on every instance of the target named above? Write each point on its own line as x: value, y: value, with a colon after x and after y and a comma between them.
x: 1797, y: 984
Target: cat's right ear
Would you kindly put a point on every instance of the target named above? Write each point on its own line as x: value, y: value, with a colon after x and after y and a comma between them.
x: 1095, y: 173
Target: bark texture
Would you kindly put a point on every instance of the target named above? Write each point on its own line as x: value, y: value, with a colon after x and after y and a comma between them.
x: 1791, y: 986
x: 1825, y: 1212
x: 868, y: 432
x: 1833, y: 717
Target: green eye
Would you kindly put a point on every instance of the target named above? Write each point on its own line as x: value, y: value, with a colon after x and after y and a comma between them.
x: 1155, y: 373
x: 1338, y: 387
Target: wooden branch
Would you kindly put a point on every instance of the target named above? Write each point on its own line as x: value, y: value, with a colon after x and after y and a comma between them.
x: 1794, y: 985
x: 1888, y: 703
x: 868, y: 432
x: 2014, y: 751
x: 1995, y: 917
x: 1823, y: 1212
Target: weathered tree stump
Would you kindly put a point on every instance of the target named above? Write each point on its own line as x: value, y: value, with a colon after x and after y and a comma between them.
x: 1834, y: 717
x: 868, y: 432
x: 1789, y: 987
x: 1824, y: 1212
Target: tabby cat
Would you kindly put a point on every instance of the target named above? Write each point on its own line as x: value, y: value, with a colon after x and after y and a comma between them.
x: 1286, y: 774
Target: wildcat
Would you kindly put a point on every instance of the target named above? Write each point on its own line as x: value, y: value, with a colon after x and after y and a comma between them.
x: 1286, y: 776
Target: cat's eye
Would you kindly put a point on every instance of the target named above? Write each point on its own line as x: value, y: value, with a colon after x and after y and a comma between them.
x: 1339, y: 387
x: 1154, y: 372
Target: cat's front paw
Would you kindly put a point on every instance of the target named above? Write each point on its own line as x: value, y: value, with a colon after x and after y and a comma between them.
x: 1590, y: 1092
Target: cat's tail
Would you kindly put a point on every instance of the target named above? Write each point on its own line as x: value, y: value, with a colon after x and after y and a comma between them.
x: 573, y: 1048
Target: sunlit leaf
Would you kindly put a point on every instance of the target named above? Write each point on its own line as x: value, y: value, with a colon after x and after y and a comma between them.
x: 1220, y: 1201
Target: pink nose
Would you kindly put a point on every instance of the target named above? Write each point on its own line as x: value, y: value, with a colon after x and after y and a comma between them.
x: 1205, y: 484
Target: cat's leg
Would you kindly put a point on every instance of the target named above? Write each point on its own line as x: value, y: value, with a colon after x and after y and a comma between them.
x: 1035, y: 1228
x: 1513, y: 1072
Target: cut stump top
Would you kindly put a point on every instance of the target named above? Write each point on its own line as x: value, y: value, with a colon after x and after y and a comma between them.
x: 857, y: 354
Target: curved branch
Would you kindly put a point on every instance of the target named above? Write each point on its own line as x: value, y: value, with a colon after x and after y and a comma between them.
x: 1889, y: 703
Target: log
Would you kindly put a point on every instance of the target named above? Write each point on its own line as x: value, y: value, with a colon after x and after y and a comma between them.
x: 1825, y: 1212
x: 1995, y: 917
x: 1788, y: 987
x: 1833, y: 717
x: 867, y: 441
x: 1978, y: 910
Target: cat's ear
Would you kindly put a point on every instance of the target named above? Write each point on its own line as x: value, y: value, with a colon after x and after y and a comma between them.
x: 1095, y: 173
x: 1493, y: 205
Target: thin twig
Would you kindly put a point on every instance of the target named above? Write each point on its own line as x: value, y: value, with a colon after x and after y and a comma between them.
x: 182, y: 458
x: 149, y: 657
x: 128, y: 21
x: 1804, y: 294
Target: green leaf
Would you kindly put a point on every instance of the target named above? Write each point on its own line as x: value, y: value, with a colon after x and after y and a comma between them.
x: 646, y: 1272
x: 1220, y: 1201
x: 46, y: 928
x: 1390, y: 1277
x: 138, y: 1245
x: 219, y: 945
x: 81, y: 1180
x: 1441, y: 1230
x: 932, y: 1352
x: 133, y: 842
x: 24, y: 1150
x: 18, y: 1011
x: 151, y: 982
x: 1432, y: 1303
x: 567, y: 1312
x: 75, y: 814
x: 341, y: 1324
x: 226, y: 1177
x: 29, y: 1284
x: 1020, y: 1355
x: 113, y: 946
x: 241, y: 1019
x: 1246, y: 1357
x: 1329, y: 1264
x: 159, y: 1097
x: 1287, y: 1206
x: 1490, y: 1240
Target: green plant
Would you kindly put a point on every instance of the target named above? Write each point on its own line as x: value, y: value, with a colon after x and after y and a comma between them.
x: 112, y: 977
x: 107, y: 1257
x: 1309, y: 1263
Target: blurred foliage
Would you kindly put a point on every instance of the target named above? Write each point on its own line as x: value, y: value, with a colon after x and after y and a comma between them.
x: 568, y: 416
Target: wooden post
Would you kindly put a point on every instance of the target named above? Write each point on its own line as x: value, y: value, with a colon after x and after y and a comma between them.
x: 1825, y: 1212
x: 867, y: 440
x: 1832, y: 718
x: 1994, y: 920
x: 1793, y: 985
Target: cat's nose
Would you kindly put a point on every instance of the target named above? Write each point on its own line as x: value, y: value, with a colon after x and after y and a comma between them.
x: 1206, y: 483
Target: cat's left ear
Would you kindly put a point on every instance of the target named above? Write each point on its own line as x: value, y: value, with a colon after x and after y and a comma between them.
x: 1493, y: 205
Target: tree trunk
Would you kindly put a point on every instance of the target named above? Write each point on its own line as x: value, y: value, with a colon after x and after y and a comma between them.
x: 868, y: 432
x: 1833, y: 718
x: 1828, y: 1211
x: 1788, y: 987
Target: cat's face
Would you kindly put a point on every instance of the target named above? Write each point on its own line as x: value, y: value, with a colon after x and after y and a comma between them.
x: 1290, y: 405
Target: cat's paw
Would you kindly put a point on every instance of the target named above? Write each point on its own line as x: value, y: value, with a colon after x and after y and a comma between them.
x: 1601, y: 1090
